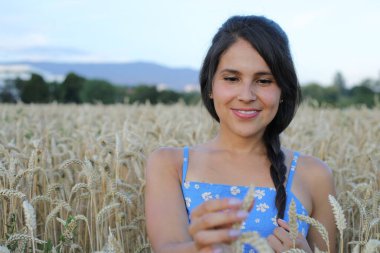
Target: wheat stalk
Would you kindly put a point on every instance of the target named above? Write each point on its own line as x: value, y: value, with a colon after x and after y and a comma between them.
x: 293, y: 233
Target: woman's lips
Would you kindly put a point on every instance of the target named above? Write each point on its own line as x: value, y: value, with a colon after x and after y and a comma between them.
x: 246, y: 113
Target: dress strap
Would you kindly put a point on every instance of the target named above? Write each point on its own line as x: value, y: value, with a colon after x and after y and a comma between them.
x: 293, y: 166
x: 185, y: 163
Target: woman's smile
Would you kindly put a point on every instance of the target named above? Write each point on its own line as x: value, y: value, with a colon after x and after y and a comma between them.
x: 246, y: 113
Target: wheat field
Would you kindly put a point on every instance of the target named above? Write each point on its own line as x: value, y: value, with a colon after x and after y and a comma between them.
x: 72, y: 176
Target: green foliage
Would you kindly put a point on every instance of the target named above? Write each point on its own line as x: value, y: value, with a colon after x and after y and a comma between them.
x: 71, y: 88
x: 191, y: 98
x: 168, y: 97
x: 337, y: 95
x: 143, y: 93
x: 36, y: 90
x: 97, y: 91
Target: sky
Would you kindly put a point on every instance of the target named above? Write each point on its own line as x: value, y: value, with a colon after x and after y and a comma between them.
x: 325, y: 36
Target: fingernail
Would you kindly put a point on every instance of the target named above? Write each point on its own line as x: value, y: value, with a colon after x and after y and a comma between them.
x: 234, y: 233
x: 242, y: 214
x: 234, y: 202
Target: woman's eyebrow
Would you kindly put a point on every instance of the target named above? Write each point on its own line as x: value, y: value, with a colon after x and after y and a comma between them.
x: 260, y: 73
x: 263, y: 73
x: 233, y: 71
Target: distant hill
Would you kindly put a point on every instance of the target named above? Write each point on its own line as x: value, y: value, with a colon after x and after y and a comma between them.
x: 121, y: 73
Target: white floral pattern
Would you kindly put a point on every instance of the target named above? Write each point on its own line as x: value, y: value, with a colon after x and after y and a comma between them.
x: 234, y: 190
x: 259, y: 194
x: 206, y: 196
x: 188, y: 201
x: 262, y: 207
x: 186, y: 185
x: 196, y: 186
x: 257, y: 220
x: 274, y: 221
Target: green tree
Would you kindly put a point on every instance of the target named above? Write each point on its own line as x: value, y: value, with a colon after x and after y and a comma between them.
x: 362, y: 95
x: 313, y: 91
x: 36, y: 90
x: 98, y: 91
x: 143, y: 93
x: 71, y: 88
x: 340, y: 83
x: 55, y: 90
x: 191, y: 98
x: 168, y: 97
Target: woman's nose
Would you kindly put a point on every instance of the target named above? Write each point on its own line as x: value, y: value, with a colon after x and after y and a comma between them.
x: 247, y: 93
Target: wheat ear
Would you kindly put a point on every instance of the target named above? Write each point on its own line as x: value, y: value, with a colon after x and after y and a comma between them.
x: 340, y: 220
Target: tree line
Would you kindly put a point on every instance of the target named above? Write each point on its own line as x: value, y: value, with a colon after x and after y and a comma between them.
x: 77, y: 89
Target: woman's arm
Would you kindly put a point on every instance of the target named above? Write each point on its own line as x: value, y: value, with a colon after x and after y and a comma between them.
x: 165, y: 212
x: 321, y: 184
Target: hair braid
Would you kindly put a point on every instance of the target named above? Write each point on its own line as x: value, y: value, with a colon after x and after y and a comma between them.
x: 277, y: 171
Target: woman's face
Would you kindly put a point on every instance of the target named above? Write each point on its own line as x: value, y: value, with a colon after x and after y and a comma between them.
x: 245, y: 94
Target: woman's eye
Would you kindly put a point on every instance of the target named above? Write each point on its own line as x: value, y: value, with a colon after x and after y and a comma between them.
x: 264, y: 81
x: 231, y: 79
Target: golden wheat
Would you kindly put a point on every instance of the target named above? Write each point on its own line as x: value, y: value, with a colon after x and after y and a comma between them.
x: 72, y: 167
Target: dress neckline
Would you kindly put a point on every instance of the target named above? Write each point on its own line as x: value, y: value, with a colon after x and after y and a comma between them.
x: 229, y: 185
x: 298, y: 201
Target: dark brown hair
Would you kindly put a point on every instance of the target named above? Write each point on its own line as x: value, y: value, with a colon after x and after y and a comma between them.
x: 271, y: 42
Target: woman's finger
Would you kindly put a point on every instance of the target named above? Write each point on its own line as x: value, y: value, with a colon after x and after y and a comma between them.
x: 217, y: 220
x: 283, y: 236
x: 283, y: 224
x: 216, y: 205
x: 275, y: 243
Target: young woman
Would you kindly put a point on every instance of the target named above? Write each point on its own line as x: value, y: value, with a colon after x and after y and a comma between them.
x: 193, y: 194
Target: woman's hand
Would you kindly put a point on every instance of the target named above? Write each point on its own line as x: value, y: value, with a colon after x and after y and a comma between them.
x: 280, y: 239
x: 211, y: 224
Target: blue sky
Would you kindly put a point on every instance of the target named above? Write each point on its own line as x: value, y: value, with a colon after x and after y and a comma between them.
x: 325, y: 36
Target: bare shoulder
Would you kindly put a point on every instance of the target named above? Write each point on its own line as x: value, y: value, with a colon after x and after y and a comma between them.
x: 164, y: 160
x: 166, y: 155
x: 314, y: 168
x: 316, y: 174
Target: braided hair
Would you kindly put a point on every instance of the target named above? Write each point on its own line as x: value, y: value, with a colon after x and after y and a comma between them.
x: 271, y: 42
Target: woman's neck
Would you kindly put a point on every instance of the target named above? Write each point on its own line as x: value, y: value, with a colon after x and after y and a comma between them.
x: 240, y: 145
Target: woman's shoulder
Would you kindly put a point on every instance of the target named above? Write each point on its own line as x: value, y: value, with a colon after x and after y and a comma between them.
x: 166, y: 156
x: 315, y: 173
x: 164, y: 161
